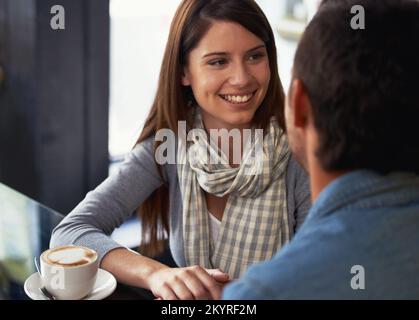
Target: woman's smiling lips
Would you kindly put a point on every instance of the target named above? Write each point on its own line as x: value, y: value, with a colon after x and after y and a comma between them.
x: 238, y: 99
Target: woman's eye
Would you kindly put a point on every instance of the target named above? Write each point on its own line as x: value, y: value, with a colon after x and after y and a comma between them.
x: 217, y: 62
x: 256, y: 56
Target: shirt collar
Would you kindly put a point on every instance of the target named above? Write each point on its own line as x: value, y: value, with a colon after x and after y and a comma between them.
x: 366, y: 189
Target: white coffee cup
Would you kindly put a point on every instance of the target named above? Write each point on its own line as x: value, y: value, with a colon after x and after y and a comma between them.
x: 69, y: 272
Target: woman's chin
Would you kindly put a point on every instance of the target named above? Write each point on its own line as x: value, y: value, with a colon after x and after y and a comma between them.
x: 229, y: 119
x: 240, y: 120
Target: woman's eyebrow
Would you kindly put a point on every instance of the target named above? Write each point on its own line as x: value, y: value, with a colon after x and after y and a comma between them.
x: 257, y: 47
x: 226, y: 53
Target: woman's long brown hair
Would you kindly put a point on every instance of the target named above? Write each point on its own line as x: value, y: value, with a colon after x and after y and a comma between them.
x: 172, y: 101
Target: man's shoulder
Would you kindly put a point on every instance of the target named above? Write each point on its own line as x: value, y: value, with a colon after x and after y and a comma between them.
x: 330, y: 257
x: 295, y: 272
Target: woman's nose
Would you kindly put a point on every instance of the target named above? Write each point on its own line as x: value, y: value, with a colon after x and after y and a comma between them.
x: 240, y: 76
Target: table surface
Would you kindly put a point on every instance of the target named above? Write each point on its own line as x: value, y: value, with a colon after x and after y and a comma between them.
x: 25, y: 231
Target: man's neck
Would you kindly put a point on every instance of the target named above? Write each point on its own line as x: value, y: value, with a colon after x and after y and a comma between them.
x: 320, y: 178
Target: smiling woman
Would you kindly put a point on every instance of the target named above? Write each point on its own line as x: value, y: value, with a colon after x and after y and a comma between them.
x: 219, y: 72
x: 229, y: 84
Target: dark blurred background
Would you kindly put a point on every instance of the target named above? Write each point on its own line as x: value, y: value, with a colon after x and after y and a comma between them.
x: 54, y: 96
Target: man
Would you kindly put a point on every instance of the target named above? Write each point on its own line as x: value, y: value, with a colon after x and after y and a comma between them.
x: 352, y: 113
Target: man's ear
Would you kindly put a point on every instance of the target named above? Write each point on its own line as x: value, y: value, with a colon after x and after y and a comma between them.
x: 185, y: 77
x: 299, y: 104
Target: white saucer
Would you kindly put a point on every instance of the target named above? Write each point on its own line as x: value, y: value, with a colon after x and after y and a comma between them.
x: 104, y: 286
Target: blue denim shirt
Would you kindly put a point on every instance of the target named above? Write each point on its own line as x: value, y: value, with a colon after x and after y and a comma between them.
x: 360, y: 241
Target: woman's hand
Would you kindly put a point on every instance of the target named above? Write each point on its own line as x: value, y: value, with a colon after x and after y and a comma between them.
x: 189, y: 283
x: 222, y: 278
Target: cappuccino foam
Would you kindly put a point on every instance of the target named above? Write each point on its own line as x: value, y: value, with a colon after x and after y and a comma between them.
x: 70, y: 256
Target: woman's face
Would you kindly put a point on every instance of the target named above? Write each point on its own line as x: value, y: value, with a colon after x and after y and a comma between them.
x: 229, y: 75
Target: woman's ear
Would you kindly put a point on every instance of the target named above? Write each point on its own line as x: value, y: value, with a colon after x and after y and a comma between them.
x: 185, y: 78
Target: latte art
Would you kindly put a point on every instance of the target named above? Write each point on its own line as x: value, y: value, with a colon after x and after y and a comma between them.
x: 70, y: 256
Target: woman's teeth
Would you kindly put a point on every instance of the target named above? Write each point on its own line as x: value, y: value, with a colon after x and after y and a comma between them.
x: 236, y: 98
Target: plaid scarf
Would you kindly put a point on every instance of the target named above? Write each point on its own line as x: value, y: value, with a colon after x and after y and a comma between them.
x: 255, y: 220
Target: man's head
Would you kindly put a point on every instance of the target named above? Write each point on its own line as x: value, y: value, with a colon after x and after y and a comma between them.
x: 353, y: 102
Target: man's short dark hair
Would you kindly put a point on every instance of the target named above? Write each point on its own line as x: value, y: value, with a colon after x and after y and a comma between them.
x: 363, y: 84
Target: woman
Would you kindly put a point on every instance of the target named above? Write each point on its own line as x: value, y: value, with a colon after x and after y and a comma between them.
x: 219, y: 71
